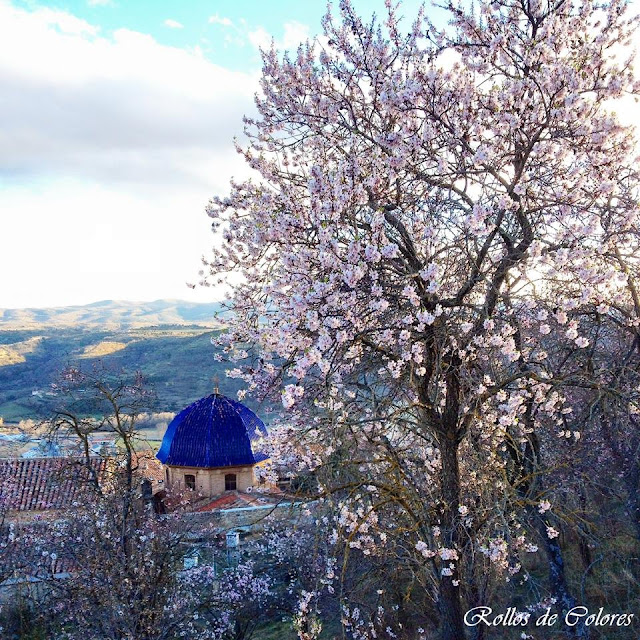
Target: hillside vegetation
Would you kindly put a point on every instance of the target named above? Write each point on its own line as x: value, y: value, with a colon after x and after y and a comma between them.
x: 17, y: 352
x: 176, y: 359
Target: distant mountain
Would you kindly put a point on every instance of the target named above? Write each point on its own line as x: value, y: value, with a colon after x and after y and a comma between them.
x: 112, y: 314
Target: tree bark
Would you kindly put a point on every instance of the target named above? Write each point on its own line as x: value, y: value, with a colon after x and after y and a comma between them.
x: 557, y: 580
x: 449, y: 602
x: 528, y: 481
x: 633, y: 501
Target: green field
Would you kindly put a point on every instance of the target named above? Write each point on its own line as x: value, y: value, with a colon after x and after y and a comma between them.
x: 177, y: 363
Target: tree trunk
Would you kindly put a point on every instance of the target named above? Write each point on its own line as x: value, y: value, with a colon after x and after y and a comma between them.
x: 449, y: 604
x: 583, y: 536
x: 527, y: 467
x: 557, y: 580
x: 633, y: 502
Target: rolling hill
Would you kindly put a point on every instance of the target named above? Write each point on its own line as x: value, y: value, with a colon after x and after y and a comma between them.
x: 114, y: 314
x: 168, y: 341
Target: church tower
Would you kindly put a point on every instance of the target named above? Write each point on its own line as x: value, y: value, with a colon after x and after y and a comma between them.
x: 211, y: 446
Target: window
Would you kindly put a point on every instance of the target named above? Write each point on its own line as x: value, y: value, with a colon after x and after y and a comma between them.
x: 230, y: 482
x: 191, y: 560
x: 190, y: 481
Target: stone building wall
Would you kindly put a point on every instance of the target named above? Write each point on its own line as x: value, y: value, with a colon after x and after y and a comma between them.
x: 210, y: 482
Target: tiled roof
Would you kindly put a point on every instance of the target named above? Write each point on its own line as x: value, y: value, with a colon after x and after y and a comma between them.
x: 148, y: 466
x: 213, y: 432
x: 30, y: 563
x: 37, y: 484
x: 239, y: 499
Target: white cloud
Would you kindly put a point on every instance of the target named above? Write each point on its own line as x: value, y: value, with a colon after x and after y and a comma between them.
x: 259, y: 38
x: 294, y: 34
x: 46, y: 18
x: 173, y: 24
x: 119, y: 108
x: 75, y: 243
x: 110, y: 147
x: 216, y: 19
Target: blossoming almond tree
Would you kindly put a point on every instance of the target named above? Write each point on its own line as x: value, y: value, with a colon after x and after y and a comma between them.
x: 433, y: 209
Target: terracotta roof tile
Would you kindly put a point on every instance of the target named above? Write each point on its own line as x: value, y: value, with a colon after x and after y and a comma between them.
x: 37, y: 484
x: 239, y: 499
x: 151, y: 468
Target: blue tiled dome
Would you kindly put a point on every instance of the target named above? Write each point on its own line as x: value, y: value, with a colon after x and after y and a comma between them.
x: 213, y: 432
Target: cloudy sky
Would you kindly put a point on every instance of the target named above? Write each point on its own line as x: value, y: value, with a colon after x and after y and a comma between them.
x: 117, y: 119
x: 116, y: 127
